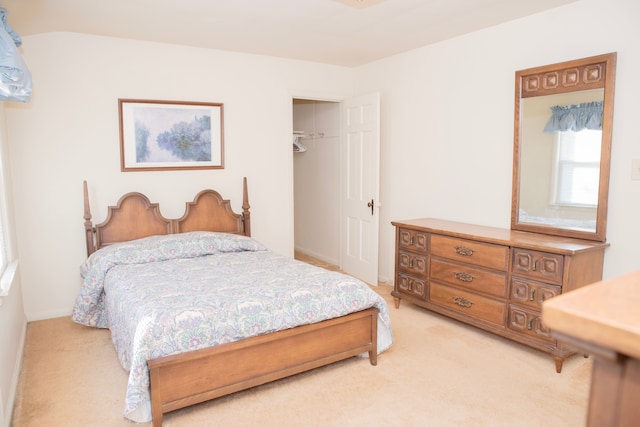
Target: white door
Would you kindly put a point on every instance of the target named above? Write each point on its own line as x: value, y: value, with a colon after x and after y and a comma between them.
x: 359, y: 213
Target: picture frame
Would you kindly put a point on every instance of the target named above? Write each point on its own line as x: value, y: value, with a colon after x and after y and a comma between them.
x: 170, y: 135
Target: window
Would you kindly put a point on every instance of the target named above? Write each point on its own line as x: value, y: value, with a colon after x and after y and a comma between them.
x: 8, y: 266
x: 3, y: 249
x: 577, y: 168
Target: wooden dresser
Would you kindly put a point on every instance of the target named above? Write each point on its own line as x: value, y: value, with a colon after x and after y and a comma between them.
x: 492, y: 278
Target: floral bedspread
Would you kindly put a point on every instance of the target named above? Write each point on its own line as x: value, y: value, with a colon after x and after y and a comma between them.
x: 164, y: 295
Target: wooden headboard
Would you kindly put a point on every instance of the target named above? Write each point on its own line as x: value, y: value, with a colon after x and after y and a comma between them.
x: 135, y: 217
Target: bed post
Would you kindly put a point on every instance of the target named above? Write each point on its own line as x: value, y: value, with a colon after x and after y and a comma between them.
x: 246, y: 215
x: 88, y: 225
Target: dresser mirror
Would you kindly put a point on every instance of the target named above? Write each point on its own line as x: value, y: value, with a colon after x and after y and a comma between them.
x: 562, y: 148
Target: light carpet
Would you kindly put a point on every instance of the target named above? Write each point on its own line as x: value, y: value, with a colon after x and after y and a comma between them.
x: 439, y: 372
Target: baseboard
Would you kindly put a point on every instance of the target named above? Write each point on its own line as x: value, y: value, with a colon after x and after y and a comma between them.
x: 44, y: 315
x: 385, y: 280
x: 15, y: 379
x: 318, y: 256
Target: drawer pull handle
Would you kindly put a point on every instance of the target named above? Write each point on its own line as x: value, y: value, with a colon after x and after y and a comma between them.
x: 530, y: 325
x: 535, y: 265
x: 411, y: 263
x: 462, y: 302
x: 411, y: 240
x: 462, y: 276
x: 533, y: 295
x: 463, y: 250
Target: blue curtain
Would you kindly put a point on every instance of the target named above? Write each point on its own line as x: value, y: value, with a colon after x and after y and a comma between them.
x: 15, y: 77
x: 575, y: 117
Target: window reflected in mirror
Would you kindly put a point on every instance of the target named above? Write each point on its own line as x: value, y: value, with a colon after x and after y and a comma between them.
x: 577, y: 169
x: 560, y: 169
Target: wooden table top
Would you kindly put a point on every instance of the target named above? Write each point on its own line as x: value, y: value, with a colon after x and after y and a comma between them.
x: 605, y: 313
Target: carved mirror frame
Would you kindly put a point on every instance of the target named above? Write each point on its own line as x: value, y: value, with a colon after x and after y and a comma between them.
x: 597, y: 72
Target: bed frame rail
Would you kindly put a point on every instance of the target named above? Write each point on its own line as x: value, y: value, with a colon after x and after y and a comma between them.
x: 181, y: 380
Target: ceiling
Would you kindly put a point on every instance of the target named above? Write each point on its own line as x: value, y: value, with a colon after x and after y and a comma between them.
x: 341, y: 32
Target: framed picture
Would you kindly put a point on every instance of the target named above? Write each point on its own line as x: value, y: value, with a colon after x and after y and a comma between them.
x: 170, y: 135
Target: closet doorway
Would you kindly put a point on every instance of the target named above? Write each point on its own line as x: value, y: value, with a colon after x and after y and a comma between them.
x: 316, y: 179
x: 337, y: 182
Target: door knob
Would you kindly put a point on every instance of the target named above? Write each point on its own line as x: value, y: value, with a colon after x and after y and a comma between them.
x: 370, y: 204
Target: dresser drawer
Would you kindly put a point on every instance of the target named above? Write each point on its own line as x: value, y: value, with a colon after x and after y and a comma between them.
x: 410, y: 285
x: 529, y: 323
x: 467, y: 303
x: 537, y: 265
x: 468, y: 277
x: 471, y: 252
x: 413, y: 263
x: 412, y: 240
x: 531, y: 294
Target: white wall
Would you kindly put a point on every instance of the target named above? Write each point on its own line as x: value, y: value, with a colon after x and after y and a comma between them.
x: 69, y: 133
x: 13, y: 323
x: 447, y: 120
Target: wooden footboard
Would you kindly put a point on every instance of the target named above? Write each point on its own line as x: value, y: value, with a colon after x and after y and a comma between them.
x: 186, y: 379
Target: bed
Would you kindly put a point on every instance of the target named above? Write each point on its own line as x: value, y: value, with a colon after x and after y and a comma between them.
x: 555, y: 221
x: 198, y: 309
